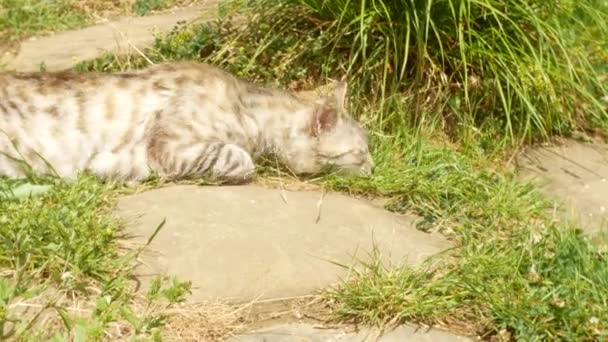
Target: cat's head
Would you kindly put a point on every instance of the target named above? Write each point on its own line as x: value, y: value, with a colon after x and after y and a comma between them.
x: 334, y: 141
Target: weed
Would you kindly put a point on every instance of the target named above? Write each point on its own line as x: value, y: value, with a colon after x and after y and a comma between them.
x: 272, y: 48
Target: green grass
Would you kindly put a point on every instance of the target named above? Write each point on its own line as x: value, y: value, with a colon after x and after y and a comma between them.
x: 529, y: 67
x: 275, y: 48
x: 59, y: 248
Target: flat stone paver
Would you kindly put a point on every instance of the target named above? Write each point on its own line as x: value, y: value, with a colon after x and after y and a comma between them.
x: 59, y: 50
x: 576, y: 174
x: 241, y: 243
x: 302, y: 332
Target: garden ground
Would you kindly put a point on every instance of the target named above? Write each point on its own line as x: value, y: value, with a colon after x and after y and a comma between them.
x: 518, y: 270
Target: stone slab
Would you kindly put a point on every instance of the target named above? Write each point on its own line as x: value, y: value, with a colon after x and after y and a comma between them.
x: 302, y: 332
x: 63, y: 50
x: 575, y: 174
x: 241, y: 243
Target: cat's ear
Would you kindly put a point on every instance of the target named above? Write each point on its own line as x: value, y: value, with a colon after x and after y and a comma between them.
x: 324, y: 119
x: 340, y: 96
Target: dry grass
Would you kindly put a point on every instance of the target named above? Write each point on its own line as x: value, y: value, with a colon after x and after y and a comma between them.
x: 211, y: 321
x: 207, y: 321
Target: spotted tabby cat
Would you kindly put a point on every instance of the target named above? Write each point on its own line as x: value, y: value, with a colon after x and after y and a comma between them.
x: 180, y: 119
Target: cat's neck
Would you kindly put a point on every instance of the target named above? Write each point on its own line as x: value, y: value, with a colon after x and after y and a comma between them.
x: 280, y: 116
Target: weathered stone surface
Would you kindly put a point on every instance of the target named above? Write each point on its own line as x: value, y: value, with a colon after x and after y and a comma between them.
x: 64, y: 50
x: 574, y: 173
x: 301, y: 332
x: 247, y: 242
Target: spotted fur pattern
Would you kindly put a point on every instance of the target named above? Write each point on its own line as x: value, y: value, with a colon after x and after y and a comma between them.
x: 180, y: 119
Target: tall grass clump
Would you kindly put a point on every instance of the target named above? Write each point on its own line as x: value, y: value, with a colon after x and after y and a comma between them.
x: 531, y: 67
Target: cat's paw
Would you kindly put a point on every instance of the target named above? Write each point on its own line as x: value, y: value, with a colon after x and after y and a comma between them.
x: 234, y: 166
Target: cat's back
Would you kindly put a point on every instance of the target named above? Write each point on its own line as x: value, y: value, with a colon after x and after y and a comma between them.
x: 68, y: 117
x: 92, y: 99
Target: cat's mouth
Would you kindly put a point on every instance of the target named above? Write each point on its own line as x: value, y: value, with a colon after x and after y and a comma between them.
x: 365, y: 168
x: 367, y: 171
x: 369, y: 166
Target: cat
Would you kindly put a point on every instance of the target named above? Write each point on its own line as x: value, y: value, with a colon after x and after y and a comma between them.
x: 176, y: 119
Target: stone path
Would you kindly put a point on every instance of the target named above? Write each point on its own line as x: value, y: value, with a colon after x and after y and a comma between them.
x: 63, y: 50
x: 250, y: 243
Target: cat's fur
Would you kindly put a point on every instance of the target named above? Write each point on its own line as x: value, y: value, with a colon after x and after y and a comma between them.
x: 178, y: 119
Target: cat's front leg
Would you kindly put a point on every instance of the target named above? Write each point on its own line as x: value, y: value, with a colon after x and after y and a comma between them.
x: 232, y: 165
x: 226, y: 163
